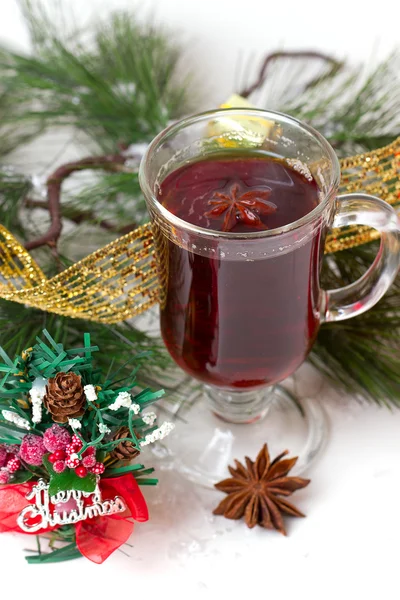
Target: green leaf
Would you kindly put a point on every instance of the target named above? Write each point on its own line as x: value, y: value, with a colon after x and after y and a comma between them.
x: 69, y: 480
x: 47, y: 464
x: 22, y: 477
x: 101, y: 456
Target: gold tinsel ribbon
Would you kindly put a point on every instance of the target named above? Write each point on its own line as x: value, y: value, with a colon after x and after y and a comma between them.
x: 120, y: 280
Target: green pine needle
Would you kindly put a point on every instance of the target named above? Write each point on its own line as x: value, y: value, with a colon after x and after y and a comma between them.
x: 13, y: 189
x: 68, y: 552
x: 361, y: 355
x: 20, y: 327
x: 116, y: 82
x: 356, y: 109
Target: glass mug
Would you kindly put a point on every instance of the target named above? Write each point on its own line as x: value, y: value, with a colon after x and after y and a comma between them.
x: 240, y: 311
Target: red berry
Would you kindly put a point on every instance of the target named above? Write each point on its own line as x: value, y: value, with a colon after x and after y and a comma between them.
x: 81, y: 471
x: 59, y: 454
x: 72, y: 461
x: 69, y: 449
x: 13, y: 449
x: 52, y: 458
x: 75, y: 441
x: 3, y: 456
x: 13, y: 465
x: 32, y: 449
x: 4, y: 476
x: 89, y: 461
x: 59, y: 466
x: 90, y: 450
x: 98, y: 468
x: 56, y: 437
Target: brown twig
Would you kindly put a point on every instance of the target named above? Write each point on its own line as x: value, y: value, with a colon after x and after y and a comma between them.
x: 79, y: 216
x: 108, y: 162
x: 262, y: 75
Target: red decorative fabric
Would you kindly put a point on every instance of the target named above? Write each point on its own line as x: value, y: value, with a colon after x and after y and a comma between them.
x: 12, y: 501
x: 99, y: 537
x: 96, y: 538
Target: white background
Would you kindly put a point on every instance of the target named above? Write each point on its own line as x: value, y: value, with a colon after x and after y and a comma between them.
x: 348, y: 547
x: 218, y: 32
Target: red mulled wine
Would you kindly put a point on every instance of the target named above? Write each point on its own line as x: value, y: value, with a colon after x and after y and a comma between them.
x: 240, y: 324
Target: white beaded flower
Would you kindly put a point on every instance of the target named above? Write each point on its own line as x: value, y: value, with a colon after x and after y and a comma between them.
x: 12, y: 417
x: 37, y: 394
x: 158, y: 434
x: 123, y: 400
x: 103, y: 428
x: 149, y: 418
x: 90, y: 392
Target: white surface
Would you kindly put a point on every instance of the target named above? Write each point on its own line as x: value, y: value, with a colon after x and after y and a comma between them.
x: 347, y: 547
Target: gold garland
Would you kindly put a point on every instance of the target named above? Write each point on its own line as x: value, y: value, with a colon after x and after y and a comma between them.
x: 120, y: 280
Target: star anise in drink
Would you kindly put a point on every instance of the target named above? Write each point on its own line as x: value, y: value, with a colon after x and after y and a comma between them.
x: 257, y: 491
x: 246, y: 207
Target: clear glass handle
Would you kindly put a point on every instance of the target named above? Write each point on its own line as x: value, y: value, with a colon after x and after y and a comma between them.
x: 360, y: 296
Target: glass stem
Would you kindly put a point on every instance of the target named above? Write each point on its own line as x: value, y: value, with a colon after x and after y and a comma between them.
x: 239, y: 406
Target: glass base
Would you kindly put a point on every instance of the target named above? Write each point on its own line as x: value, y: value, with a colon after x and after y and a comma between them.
x: 209, y: 441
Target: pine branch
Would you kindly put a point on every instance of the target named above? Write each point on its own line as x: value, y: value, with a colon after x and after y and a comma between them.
x: 334, y: 67
x: 19, y: 329
x: 54, y: 182
x: 117, y: 83
x: 78, y: 216
x: 356, y: 109
x: 121, y: 91
x: 12, y: 136
x: 13, y: 189
x: 361, y: 355
x: 114, y: 196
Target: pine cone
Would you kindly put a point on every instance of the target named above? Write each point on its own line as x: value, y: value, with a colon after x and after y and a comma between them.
x: 125, y: 450
x: 64, y: 397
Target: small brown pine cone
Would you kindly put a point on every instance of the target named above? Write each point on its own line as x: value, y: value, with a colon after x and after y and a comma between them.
x: 64, y: 397
x: 125, y: 449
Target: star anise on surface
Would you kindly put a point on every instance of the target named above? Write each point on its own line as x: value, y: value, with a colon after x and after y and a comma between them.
x: 256, y: 491
x: 246, y: 207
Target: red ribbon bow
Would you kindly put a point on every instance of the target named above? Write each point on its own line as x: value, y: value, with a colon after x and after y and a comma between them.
x: 96, y: 538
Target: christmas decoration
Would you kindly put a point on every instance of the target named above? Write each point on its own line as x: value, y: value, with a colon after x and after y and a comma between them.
x: 43, y: 513
x: 257, y: 491
x: 72, y: 478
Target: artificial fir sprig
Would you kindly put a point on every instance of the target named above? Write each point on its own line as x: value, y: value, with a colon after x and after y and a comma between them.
x: 66, y: 434
x: 80, y: 413
x: 62, y: 422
